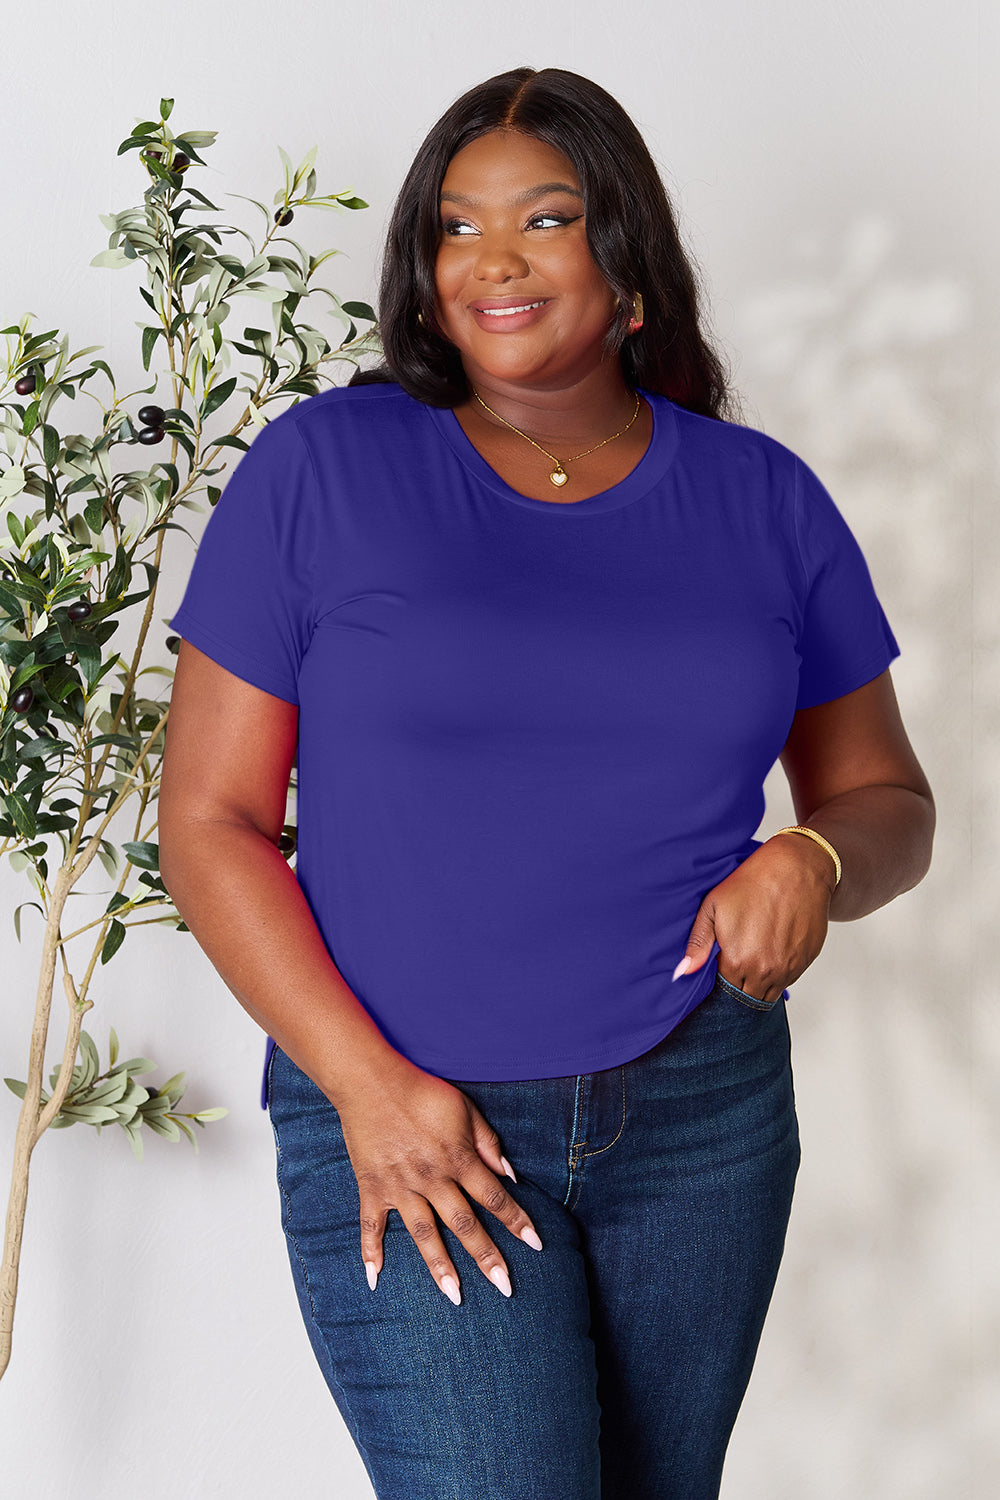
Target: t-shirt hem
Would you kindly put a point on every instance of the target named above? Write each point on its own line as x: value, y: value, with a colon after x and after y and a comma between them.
x: 560, y: 1065
x: 228, y: 656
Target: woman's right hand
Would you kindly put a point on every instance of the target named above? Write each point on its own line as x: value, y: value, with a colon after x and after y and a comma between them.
x: 422, y: 1147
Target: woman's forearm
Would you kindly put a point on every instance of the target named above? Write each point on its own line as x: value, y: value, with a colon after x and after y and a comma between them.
x: 248, y: 913
x: 883, y: 835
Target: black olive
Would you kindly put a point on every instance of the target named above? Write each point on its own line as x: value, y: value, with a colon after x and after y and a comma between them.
x: 180, y: 162
x: 151, y: 416
x: 286, y: 843
x: 149, y: 435
x: 173, y: 643
x: 22, y: 700
x: 283, y: 216
x: 80, y: 609
x: 26, y: 384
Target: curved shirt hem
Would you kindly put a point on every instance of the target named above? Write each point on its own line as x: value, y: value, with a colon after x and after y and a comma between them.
x: 563, y: 1065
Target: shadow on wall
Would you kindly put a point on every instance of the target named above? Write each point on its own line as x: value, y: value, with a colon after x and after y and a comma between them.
x: 873, y: 373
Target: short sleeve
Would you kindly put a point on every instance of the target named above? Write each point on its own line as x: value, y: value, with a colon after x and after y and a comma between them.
x: 248, y: 603
x: 845, y: 638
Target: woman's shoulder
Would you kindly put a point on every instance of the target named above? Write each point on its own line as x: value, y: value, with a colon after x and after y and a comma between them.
x: 731, y: 441
x: 366, y: 410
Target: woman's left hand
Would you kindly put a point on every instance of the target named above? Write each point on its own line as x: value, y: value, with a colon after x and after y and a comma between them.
x: 769, y: 917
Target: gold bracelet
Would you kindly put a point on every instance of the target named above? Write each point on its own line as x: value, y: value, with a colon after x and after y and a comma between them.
x: 817, y: 838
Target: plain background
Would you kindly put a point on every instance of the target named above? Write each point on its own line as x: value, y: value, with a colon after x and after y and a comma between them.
x: 835, y: 167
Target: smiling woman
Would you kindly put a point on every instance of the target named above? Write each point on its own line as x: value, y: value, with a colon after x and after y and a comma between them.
x: 537, y: 623
x: 519, y: 295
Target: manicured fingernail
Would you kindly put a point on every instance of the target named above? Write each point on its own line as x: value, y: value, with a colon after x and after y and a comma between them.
x: 371, y: 1273
x: 500, y: 1278
x: 508, y: 1168
x: 530, y: 1237
x: 682, y: 967
x: 450, y: 1288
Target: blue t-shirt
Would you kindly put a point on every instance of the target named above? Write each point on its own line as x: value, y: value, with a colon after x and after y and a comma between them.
x: 532, y: 734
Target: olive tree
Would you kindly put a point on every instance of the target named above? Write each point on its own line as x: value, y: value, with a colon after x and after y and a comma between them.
x: 85, y: 521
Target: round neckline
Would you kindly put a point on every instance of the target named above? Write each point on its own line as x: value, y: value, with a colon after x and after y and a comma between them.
x: 651, y: 467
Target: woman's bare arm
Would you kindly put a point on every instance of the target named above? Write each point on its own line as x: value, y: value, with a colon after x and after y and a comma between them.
x: 855, y: 779
x: 417, y: 1143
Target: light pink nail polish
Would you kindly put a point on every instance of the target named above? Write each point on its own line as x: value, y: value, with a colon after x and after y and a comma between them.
x: 371, y: 1273
x: 450, y: 1288
x: 508, y: 1168
x: 682, y: 967
x: 530, y: 1237
x: 499, y: 1278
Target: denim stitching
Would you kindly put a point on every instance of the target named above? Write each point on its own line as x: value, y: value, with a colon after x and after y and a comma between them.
x: 573, y: 1159
x: 620, y: 1128
x: 750, y: 1001
x: 290, y: 1234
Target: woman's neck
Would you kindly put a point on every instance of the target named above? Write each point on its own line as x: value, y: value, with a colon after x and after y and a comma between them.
x: 567, y: 416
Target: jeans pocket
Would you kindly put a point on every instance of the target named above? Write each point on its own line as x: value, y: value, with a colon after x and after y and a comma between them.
x: 750, y: 1001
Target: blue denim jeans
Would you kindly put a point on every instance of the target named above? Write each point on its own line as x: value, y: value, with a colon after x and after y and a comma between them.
x: 661, y: 1190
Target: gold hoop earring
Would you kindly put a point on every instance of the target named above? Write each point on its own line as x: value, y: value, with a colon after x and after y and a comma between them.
x: 636, y: 320
x: 420, y: 319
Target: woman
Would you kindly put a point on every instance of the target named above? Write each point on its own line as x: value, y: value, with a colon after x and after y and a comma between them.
x: 537, y: 623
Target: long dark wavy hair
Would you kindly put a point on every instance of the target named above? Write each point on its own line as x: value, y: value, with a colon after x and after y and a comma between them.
x: 631, y: 231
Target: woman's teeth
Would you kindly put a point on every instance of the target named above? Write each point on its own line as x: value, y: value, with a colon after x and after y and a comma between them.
x: 507, y: 312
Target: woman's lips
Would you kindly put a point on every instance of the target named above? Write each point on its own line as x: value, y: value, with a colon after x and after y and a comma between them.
x: 508, y: 316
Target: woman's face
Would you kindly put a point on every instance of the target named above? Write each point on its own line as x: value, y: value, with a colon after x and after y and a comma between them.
x: 518, y: 292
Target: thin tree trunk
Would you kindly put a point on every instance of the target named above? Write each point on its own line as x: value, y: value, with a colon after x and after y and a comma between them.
x: 27, y: 1124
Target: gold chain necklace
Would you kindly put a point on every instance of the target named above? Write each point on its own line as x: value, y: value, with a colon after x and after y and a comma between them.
x: 559, y: 475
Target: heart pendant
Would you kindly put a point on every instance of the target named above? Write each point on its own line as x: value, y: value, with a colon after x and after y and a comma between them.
x: 559, y: 477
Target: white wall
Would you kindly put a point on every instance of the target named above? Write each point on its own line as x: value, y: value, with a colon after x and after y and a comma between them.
x: 836, y: 167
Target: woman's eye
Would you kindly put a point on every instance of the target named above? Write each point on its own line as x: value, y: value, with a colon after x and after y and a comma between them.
x: 457, y: 226
x: 546, y: 221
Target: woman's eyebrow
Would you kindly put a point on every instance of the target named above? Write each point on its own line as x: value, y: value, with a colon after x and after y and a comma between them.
x: 528, y: 196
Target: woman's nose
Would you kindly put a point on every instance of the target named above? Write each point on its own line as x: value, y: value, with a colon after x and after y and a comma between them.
x: 499, y: 260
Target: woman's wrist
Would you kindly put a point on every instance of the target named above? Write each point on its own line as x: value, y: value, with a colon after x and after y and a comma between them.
x: 803, y: 831
x: 810, y: 853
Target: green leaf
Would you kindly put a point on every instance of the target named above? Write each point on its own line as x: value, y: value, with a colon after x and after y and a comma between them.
x: 113, y: 941
x: 166, y: 105
x: 89, y: 1114
x: 359, y: 310
x: 163, y: 1125
x: 17, y: 915
x: 173, y: 1089
x: 14, y: 1084
x: 139, y: 1065
x: 89, y: 656
x: 183, y: 1125
x: 149, y: 337
x: 114, y: 259
x: 133, y: 1129
x: 30, y: 419
x: 145, y: 855
x: 113, y: 1046
x: 353, y: 202
x: 50, y: 446
x: 217, y: 396
x: 24, y: 818
x: 107, y: 1090
x: 89, y: 1058
x: 204, y: 1115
